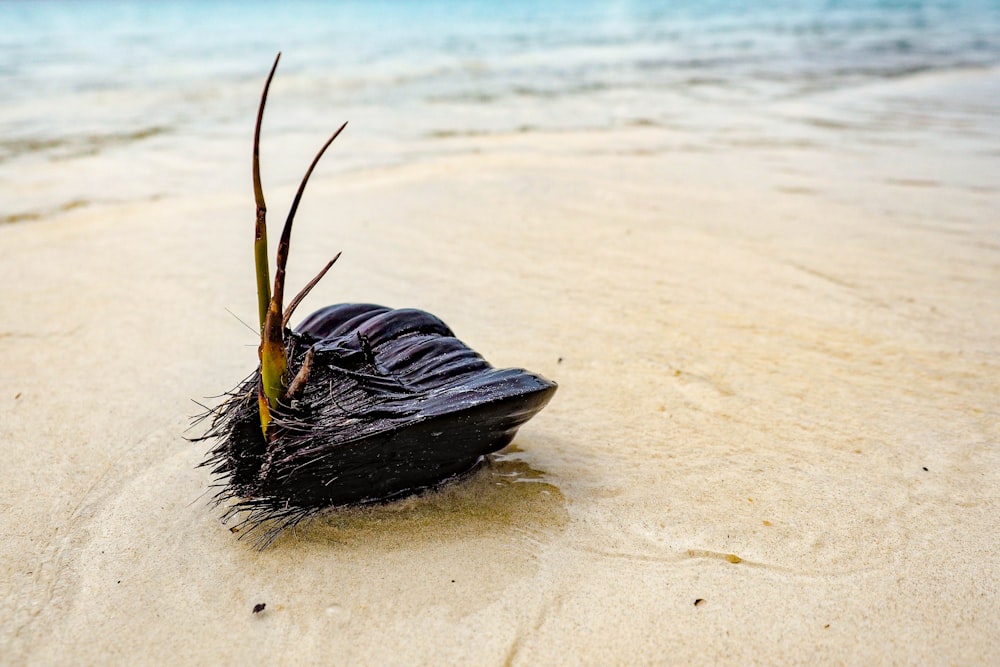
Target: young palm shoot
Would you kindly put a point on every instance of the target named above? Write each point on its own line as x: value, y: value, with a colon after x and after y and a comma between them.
x: 273, y: 357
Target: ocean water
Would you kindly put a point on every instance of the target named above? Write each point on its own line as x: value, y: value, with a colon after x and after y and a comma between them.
x: 87, y: 79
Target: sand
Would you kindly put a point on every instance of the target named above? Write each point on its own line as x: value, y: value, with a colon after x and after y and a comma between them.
x: 776, y: 438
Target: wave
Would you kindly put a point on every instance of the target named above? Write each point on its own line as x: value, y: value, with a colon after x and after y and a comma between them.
x: 69, y: 146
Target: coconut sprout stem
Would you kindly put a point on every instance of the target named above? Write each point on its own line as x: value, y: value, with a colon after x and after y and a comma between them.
x: 273, y: 357
x: 260, y: 229
x: 305, y: 291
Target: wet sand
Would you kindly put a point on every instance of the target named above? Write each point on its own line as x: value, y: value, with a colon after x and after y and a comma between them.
x: 776, y: 438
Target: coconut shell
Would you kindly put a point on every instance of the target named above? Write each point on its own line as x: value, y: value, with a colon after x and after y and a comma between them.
x: 394, y: 404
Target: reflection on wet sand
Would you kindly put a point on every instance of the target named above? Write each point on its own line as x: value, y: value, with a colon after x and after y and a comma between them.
x: 505, y: 495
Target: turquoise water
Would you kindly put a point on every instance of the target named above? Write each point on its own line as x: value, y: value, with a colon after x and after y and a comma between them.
x: 82, y: 78
x: 446, y: 57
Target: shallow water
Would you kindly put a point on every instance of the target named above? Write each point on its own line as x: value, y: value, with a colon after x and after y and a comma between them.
x: 179, y: 81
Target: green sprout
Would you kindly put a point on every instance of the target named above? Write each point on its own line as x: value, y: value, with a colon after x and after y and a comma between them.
x: 274, y: 383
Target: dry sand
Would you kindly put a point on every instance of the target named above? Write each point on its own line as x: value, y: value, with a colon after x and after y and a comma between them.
x: 779, y: 377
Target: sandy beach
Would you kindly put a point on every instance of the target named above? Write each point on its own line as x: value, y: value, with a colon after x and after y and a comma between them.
x: 776, y: 438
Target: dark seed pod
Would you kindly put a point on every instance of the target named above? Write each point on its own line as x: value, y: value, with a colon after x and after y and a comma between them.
x: 394, y: 404
x: 360, y: 404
